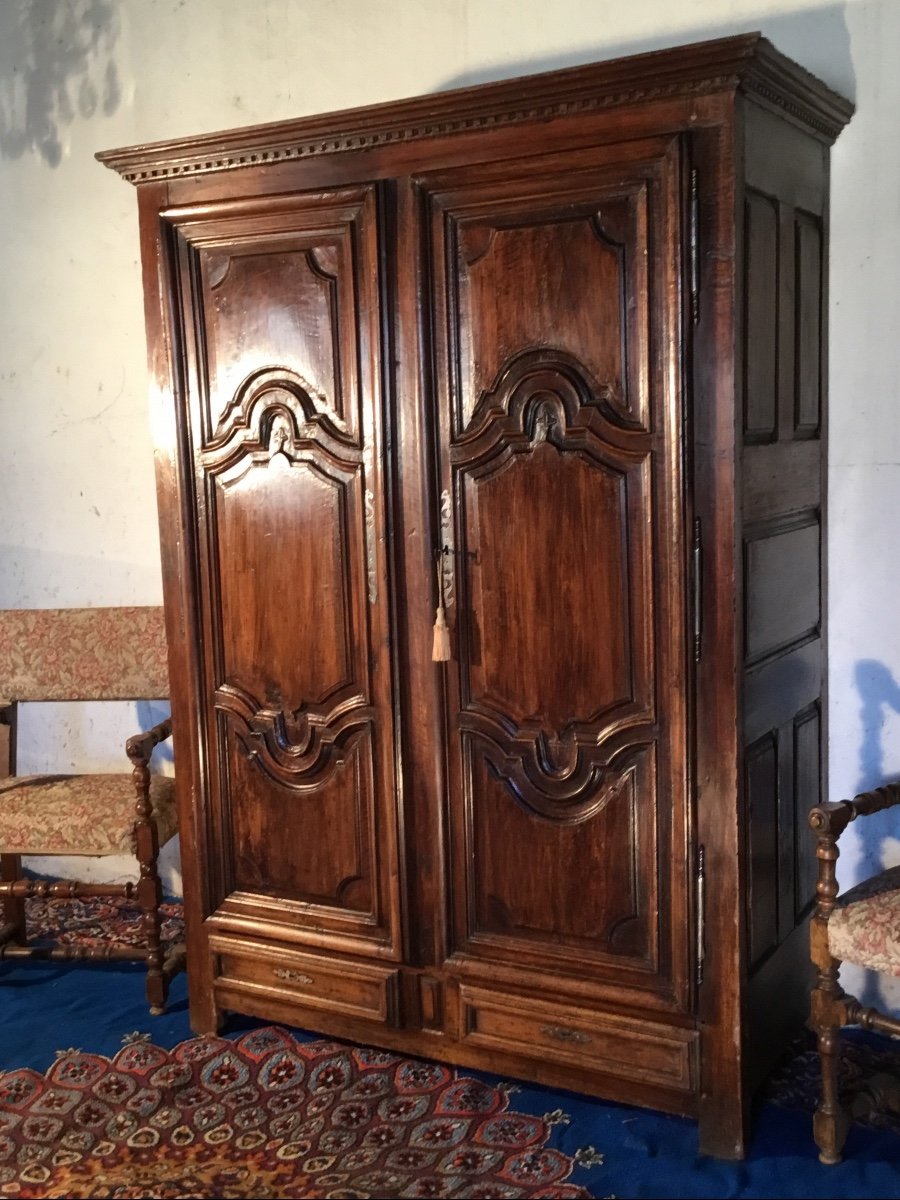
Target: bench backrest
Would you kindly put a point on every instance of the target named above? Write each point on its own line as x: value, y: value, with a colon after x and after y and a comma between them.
x: 83, y: 654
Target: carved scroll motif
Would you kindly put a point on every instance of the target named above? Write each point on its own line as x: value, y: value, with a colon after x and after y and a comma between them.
x: 299, y: 749
x: 569, y: 777
x: 547, y: 395
x: 309, y: 414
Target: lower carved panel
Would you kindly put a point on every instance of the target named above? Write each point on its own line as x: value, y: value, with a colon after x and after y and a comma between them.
x: 275, y: 827
x: 577, y: 895
x: 605, y: 1042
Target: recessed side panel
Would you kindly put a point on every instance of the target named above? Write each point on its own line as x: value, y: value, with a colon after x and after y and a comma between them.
x: 284, y: 348
x: 761, y: 318
x: 808, y: 314
x: 807, y: 792
x: 761, y: 823
x: 555, y: 302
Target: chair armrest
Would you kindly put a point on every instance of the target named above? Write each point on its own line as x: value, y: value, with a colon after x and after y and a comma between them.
x: 830, y: 819
x: 141, y: 746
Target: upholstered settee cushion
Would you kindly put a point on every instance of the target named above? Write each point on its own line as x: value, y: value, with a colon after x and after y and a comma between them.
x: 78, y: 814
x: 865, y: 926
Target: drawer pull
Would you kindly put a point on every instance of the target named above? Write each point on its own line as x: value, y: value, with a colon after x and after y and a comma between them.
x: 292, y: 976
x: 561, y: 1034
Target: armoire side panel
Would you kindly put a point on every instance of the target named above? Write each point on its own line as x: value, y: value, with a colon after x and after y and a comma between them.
x: 783, y: 564
x: 286, y: 415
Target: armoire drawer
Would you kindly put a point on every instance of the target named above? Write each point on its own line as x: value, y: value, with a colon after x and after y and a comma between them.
x: 615, y: 1045
x: 351, y: 988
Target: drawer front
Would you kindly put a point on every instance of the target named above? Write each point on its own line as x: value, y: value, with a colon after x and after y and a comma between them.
x: 350, y: 988
x: 623, y: 1046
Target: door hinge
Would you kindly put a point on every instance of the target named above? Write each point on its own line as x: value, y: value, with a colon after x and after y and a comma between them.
x: 701, y: 911
x: 697, y: 587
x: 694, y: 247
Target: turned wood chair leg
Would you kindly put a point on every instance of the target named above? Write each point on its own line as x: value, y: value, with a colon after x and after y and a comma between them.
x: 149, y: 893
x: 831, y: 1121
x: 149, y: 890
x: 829, y: 1005
x: 13, y: 906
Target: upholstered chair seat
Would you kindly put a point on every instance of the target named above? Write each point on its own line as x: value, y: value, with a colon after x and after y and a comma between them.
x: 864, y: 927
x: 79, y: 814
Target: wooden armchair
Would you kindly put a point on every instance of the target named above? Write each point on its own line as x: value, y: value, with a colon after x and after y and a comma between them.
x: 86, y: 654
x: 861, y: 927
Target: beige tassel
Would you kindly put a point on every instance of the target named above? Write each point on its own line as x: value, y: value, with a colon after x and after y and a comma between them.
x: 440, y: 648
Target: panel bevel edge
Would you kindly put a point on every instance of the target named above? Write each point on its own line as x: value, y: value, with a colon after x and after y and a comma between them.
x: 759, y: 435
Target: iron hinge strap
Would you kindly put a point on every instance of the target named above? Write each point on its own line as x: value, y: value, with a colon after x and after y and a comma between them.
x: 697, y: 587
x: 701, y: 911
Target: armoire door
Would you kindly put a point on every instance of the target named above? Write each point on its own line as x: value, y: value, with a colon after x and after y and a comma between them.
x: 280, y: 319
x: 557, y: 317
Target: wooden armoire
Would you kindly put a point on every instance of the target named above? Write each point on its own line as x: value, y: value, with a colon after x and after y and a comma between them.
x: 548, y: 355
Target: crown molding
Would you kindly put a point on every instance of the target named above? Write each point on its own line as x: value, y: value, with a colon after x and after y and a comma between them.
x: 748, y: 63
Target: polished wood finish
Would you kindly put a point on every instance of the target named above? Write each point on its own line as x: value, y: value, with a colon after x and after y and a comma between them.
x: 534, y: 334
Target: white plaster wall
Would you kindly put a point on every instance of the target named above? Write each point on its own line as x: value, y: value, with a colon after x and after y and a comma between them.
x: 76, y: 489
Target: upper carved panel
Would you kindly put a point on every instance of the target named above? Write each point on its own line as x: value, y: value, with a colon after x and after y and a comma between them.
x: 274, y: 305
x: 284, y: 283
x: 559, y: 273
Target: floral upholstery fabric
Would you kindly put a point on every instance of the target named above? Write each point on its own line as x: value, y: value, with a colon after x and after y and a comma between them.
x: 83, y: 654
x: 865, y: 926
x: 78, y: 814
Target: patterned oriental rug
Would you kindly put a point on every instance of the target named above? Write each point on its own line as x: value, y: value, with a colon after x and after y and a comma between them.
x: 95, y: 922
x: 268, y: 1111
x: 264, y: 1116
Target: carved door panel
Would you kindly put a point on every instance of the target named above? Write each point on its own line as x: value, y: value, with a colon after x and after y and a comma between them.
x: 281, y: 323
x: 556, y: 294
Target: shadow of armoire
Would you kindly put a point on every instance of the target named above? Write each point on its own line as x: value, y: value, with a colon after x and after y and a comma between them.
x: 542, y: 361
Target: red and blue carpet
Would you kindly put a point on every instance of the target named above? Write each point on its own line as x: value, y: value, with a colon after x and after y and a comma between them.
x: 266, y: 1111
x: 266, y: 1115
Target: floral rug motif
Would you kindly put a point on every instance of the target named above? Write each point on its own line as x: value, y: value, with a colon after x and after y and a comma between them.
x: 268, y: 1116
x: 93, y: 922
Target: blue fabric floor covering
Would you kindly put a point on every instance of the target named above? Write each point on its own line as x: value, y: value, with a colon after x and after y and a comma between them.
x: 45, y: 1008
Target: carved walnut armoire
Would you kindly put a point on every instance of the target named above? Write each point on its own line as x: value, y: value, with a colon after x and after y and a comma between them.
x: 544, y: 358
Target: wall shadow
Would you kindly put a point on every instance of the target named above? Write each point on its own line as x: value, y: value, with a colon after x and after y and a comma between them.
x: 56, y: 66
x: 817, y: 38
x: 879, y: 694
